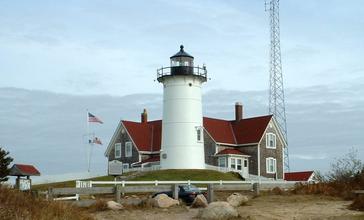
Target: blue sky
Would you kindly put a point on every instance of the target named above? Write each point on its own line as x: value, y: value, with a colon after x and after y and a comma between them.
x: 115, y: 47
x: 85, y: 49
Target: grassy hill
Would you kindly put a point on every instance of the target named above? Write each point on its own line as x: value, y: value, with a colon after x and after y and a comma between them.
x: 198, y: 175
x: 187, y: 175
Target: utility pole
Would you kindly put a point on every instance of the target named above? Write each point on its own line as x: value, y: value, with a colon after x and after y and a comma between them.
x: 276, y: 90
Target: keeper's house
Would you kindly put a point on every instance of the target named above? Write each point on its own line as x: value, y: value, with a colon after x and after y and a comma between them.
x: 251, y: 146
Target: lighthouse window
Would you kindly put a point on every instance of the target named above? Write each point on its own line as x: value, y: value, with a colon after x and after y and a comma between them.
x: 186, y: 63
x: 128, y: 149
x: 199, y: 134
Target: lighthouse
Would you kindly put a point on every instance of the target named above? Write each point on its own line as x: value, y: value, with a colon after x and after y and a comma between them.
x: 182, y: 127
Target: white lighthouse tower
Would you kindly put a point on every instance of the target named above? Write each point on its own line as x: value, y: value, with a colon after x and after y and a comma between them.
x: 182, y: 127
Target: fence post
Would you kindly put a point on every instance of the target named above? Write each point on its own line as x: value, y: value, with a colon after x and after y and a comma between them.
x: 117, y: 193
x: 50, y: 194
x: 210, y: 193
x: 175, y: 191
x: 256, y: 190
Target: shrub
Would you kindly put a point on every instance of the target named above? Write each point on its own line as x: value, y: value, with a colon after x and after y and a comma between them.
x: 20, y: 205
x: 358, y: 203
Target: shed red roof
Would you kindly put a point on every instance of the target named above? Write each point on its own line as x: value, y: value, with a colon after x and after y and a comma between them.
x: 230, y: 151
x: 24, y: 170
x: 147, y: 136
x: 298, y: 176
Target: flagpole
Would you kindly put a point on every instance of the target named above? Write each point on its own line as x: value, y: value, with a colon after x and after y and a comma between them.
x: 88, y: 142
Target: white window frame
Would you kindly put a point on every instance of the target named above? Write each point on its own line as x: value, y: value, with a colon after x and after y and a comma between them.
x: 221, y: 159
x: 128, y: 149
x: 117, y: 152
x: 199, y: 134
x: 268, y: 139
x: 271, y: 162
x: 125, y: 166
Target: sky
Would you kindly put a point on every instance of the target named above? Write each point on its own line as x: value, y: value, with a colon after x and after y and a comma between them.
x: 58, y: 58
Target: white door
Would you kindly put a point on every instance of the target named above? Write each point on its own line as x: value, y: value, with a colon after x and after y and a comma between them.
x: 245, y: 169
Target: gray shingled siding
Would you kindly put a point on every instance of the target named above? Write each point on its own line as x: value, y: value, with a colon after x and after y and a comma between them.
x: 276, y: 153
x: 252, y: 151
x: 209, y: 146
x: 122, y: 138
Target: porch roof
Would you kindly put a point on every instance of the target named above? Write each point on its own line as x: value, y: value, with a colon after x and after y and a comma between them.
x: 234, y: 152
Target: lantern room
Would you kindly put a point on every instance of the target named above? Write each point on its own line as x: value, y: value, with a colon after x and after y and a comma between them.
x: 182, y: 64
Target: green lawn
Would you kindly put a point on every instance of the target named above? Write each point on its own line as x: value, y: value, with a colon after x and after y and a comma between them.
x: 197, y: 175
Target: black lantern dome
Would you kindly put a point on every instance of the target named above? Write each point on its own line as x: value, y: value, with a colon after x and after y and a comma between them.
x: 182, y: 64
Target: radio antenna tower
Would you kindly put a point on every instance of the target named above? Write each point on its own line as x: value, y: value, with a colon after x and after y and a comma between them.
x: 276, y: 91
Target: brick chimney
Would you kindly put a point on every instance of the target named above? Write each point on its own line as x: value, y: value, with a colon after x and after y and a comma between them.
x: 144, y: 116
x: 238, y: 111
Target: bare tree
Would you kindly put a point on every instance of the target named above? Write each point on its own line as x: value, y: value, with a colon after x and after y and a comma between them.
x: 346, y: 167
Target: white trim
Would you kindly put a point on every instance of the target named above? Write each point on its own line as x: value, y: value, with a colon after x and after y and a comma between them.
x: 267, y: 165
x: 258, y: 146
x: 237, y: 145
x: 119, y: 146
x: 130, y: 145
x: 231, y: 155
x: 280, y: 135
x: 199, y: 131
x: 149, y: 152
x: 218, y: 161
x: 111, y: 143
x: 267, y: 140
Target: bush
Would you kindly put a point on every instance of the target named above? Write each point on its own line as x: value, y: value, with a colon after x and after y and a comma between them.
x: 19, y: 205
x: 345, y: 168
x: 346, y: 175
x: 358, y: 203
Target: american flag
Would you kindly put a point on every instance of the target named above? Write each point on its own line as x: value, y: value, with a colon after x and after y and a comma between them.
x: 93, y: 118
x: 96, y: 140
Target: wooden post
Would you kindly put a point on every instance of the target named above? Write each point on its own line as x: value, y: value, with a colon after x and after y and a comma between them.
x: 50, y: 194
x: 210, y: 193
x: 256, y: 190
x: 175, y: 190
x: 117, y: 193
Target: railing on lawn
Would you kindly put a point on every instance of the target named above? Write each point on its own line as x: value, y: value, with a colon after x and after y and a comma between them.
x: 142, y: 169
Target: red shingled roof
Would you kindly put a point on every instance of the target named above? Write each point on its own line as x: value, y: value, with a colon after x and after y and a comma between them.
x: 147, y: 136
x: 24, y: 170
x: 220, y: 130
x: 298, y: 176
x: 230, y: 151
x: 250, y: 130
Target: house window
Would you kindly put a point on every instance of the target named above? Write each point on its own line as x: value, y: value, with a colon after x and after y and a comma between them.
x: 271, y: 164
x: 271, y: 140
x: 238, y: 164
x: 125, y: 166
x: 128, y: 149
x: 232, y: 163
x: 117, y: 150
x: 222, y: 162
x: 199, y: 134
x: 245, y: 163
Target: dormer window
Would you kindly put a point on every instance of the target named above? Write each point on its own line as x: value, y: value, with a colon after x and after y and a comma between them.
x: 271, y: 140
